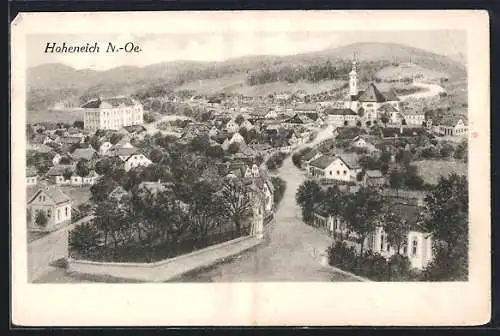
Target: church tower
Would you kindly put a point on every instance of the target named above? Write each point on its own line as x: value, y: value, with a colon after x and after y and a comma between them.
x: 353, y: 81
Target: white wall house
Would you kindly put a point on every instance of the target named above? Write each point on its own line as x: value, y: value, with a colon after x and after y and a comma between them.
x: 31, y: 177
x: 338, y: 116
x: 137, y: 160
x: 341, y: 168
x: 54, y: 204
x: 414, y: 117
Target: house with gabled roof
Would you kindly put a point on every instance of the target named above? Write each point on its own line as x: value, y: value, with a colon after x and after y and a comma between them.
x: 136, y: 159
x: 453, y: 125
x: 53, y: 204
x: 373, y: 178
x: 338, y: 116
x: 56, y: 174
x: 117, y: 193
x: 88, y: 154
x: 343, y: 167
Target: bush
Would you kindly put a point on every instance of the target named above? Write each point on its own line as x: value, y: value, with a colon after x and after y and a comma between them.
x: 371, y: 265
x: 399, y: 268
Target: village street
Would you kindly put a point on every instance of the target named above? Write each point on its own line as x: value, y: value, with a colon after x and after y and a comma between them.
x: 430, y: 90
x: 44, y: 251
x: 292, y: 251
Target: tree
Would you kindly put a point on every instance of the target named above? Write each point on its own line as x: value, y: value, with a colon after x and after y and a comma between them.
x: 239, y: 119
x: 215, y: 151
x: 67, y: 174
x: 233, y: 148
x: 396, y: 229
x: 361, y: 112
x: 83, y: 240
x: 100, y: 190
x: 115, y: 138
x: 384, y: 119
x: 446, y: 150
x: 259, y: 159
x: 333, y: 200
x: 396, y: 180
x: 206, y: 211
x: 307, y: 196
x: 82, y: 168
x: 41, y: 218
x: 200, y: 143
x: 111, y: 220
x: 156, y: 155
x: 244, y: 133
x: 279, y: 186
x: 149, y: 118
x: 446, y: 218
x: 78, y: 124
x: 237, y: 202
x: 362, y: 211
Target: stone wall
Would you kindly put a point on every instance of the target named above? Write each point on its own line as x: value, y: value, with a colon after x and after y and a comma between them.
x: 166, y: 269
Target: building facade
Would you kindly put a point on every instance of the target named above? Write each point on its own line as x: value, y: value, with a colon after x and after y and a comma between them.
x: 112, y: 113
x: 51, y: 204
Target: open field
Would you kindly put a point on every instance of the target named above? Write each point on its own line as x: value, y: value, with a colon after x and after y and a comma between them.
x: 431, y: 170
x: 408, y: 70
x: 236, y: 84
x: 53, y: 115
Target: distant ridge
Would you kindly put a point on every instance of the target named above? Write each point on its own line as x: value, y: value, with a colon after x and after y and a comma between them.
x: 58, y: 80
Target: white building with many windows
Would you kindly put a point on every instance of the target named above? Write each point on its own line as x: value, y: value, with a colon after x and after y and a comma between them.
x: 112, y: 113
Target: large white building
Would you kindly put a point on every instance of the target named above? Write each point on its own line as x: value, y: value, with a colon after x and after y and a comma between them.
x: 112, y: 113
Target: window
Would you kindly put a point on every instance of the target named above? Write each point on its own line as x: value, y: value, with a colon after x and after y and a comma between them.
x: 338, y: 172
x: 405, y: 250
x: 414, y: 248
x: 49, y: 213
x: 345, y: 172
x: 388, y: 247
x: 381, y: 242
x: 330, y: 172
x: 58, y: 214
x: 66, y: 211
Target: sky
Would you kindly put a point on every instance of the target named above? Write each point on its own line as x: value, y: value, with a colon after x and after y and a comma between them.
x: 218, y: 46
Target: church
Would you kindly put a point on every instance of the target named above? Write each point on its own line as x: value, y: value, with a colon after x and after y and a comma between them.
x: 371, y: 103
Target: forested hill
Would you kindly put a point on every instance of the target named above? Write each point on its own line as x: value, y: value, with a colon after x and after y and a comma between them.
x: 50, y: 83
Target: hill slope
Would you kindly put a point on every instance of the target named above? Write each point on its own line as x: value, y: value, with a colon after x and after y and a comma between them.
x: 49, y: 83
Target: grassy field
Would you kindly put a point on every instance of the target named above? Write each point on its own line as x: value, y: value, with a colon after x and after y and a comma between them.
x: 52, y: 115
x: 406, y: 70
x: 236, y: 84
x: 431, y: 170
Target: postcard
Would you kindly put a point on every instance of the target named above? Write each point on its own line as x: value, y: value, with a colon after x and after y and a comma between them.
x: 257, y: 168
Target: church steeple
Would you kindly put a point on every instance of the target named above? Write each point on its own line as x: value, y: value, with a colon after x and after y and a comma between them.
x: 353, y: 80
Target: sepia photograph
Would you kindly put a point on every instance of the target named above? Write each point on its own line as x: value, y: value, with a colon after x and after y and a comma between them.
x: 247, y: 156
